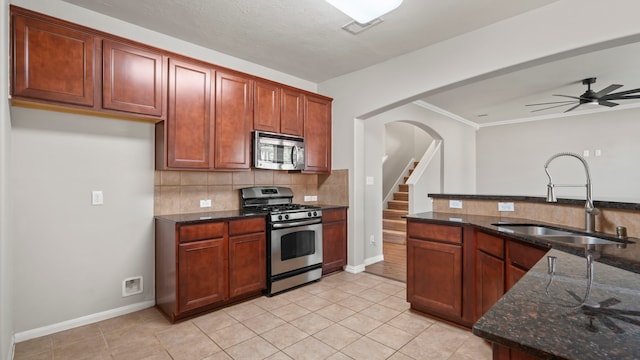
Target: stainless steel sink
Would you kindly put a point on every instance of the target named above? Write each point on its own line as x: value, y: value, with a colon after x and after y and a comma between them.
x: 557, y: 235
x: 535, y: 230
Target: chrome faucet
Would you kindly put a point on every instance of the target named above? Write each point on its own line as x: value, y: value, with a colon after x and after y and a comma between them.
x: 590, y: 210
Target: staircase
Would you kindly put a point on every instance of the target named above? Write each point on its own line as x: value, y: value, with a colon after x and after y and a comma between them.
x: 393, y: 225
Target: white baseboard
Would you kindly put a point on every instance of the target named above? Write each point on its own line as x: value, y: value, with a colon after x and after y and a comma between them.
x: 81, y: 321
x: 373, y: 260
x: 354, y: 269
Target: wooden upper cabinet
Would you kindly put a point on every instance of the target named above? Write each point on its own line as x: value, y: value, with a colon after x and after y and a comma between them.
x: 292, y: 113
x: 52, y: 62
x: 317, y: 134
x: 233, y: 121
x: 266, y: 111
x: 133, y: 79
x: 189, y: 125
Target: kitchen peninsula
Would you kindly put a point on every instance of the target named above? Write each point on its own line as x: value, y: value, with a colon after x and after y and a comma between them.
x: 483, y: 262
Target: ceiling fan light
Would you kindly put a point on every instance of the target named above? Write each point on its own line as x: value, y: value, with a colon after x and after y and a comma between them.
x: 364, y: 11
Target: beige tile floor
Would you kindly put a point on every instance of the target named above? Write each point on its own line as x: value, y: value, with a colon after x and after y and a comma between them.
x: 343, y: 316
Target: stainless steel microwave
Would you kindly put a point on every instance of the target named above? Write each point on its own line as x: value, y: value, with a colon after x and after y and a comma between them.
x: 277, y: 151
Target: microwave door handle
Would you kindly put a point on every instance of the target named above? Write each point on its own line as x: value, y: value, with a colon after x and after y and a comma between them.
x: 294, y: 155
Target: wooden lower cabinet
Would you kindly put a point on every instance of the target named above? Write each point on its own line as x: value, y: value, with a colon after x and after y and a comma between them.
x: 439, y: 278
x: 436, y: 276
x: 202, y: 273
x: 334, y: 240
x: 458, y: 273
x: 247, y: 257
x: 501, y: 352
x: 204, y: 266
x: 520, y: 258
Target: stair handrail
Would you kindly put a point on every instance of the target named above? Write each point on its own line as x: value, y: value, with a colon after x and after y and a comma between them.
x: 399, y: 180
x: 419, y: 170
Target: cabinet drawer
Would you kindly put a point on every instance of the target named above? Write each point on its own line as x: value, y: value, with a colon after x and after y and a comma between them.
x: 201, y: 231
x: 523, y: 255
x: 490, y: 244
x: 247, y: 226
x: 334, y: 215
x: 451, y: 234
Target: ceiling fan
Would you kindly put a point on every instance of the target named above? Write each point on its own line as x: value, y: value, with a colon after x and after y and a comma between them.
x: 601, y: 97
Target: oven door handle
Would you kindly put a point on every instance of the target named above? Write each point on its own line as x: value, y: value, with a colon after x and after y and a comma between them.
x: 296, y: 223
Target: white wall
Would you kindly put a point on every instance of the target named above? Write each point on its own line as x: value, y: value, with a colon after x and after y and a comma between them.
x: 6, y: 251
x: 402, y: 143
x: 459, y: 159
x: 70, y: 257
x: 511, y: 158
x: 507, y: 44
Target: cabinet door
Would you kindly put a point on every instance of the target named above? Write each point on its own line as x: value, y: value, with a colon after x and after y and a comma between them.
x: 234, y: 119
x: 266, y: 114
x: 292, y: 119
x: 132, y: 79
x: 434, y: 277
x: 247, y: 264
x: 52, y: 62
x: 334, y: 240
x: 317, y: 134
x: 489, y: 282
x: 521, y: 257
x: 189, y: 126
x: 202, y: 273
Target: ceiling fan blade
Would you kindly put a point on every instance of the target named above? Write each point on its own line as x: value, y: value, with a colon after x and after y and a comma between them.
x: 627, y: 97
x: 607, y: 90
x: 553, y: 102
x: 551, y: 107
x: 573, y: 107
x: 606, y: 103
x: 619, y: 94
x: 572, y: 97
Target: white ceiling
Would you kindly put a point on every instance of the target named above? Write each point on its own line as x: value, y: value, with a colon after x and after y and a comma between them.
x: 304, y: 38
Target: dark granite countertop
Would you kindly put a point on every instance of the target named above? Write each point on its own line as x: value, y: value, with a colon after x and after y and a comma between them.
x: 193, y: 218
x: 486, y: 223
x: 550, y: 327
x: 604, y: 204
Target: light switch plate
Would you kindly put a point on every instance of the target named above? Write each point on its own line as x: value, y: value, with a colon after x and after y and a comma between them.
x: 369, y: 180
x: 97, y: 198
x: 455, y: 204
x: 205, y: 203
x: 506, y: 206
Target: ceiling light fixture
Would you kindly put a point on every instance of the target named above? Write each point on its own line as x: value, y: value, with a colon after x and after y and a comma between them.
x: 364, y: 11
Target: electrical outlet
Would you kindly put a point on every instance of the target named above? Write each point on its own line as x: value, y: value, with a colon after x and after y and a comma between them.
x: 97, y: 198
x: 307, y: 198
x: 455, y: 204
x: 506, y: 206
x: 205, y: 203
x: 314, y: 198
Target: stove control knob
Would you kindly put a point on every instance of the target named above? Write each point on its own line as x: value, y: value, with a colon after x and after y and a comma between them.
x: 315, y: 213
x: 286, y: 217
x: 279, y: 217
x: 309, y: 214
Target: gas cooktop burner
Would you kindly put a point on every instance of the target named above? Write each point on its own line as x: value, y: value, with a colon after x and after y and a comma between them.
x: 286, y: 207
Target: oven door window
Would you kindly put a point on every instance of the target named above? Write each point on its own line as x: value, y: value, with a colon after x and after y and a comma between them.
x: 298, y: 244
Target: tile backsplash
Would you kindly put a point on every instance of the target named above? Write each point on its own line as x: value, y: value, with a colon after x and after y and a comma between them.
x: 177, y: 192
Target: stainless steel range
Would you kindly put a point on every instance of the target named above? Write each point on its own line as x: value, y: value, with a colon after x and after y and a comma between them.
x: 294, y: 236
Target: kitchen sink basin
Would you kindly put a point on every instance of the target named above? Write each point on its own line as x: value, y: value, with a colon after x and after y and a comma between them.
x: 535, y: 230
x: 557, y: 235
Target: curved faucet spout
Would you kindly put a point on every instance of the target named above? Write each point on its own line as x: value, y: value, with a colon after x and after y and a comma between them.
x: 590, y: 209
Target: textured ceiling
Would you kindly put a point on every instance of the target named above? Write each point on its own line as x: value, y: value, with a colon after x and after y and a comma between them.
x: 304, y: 37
